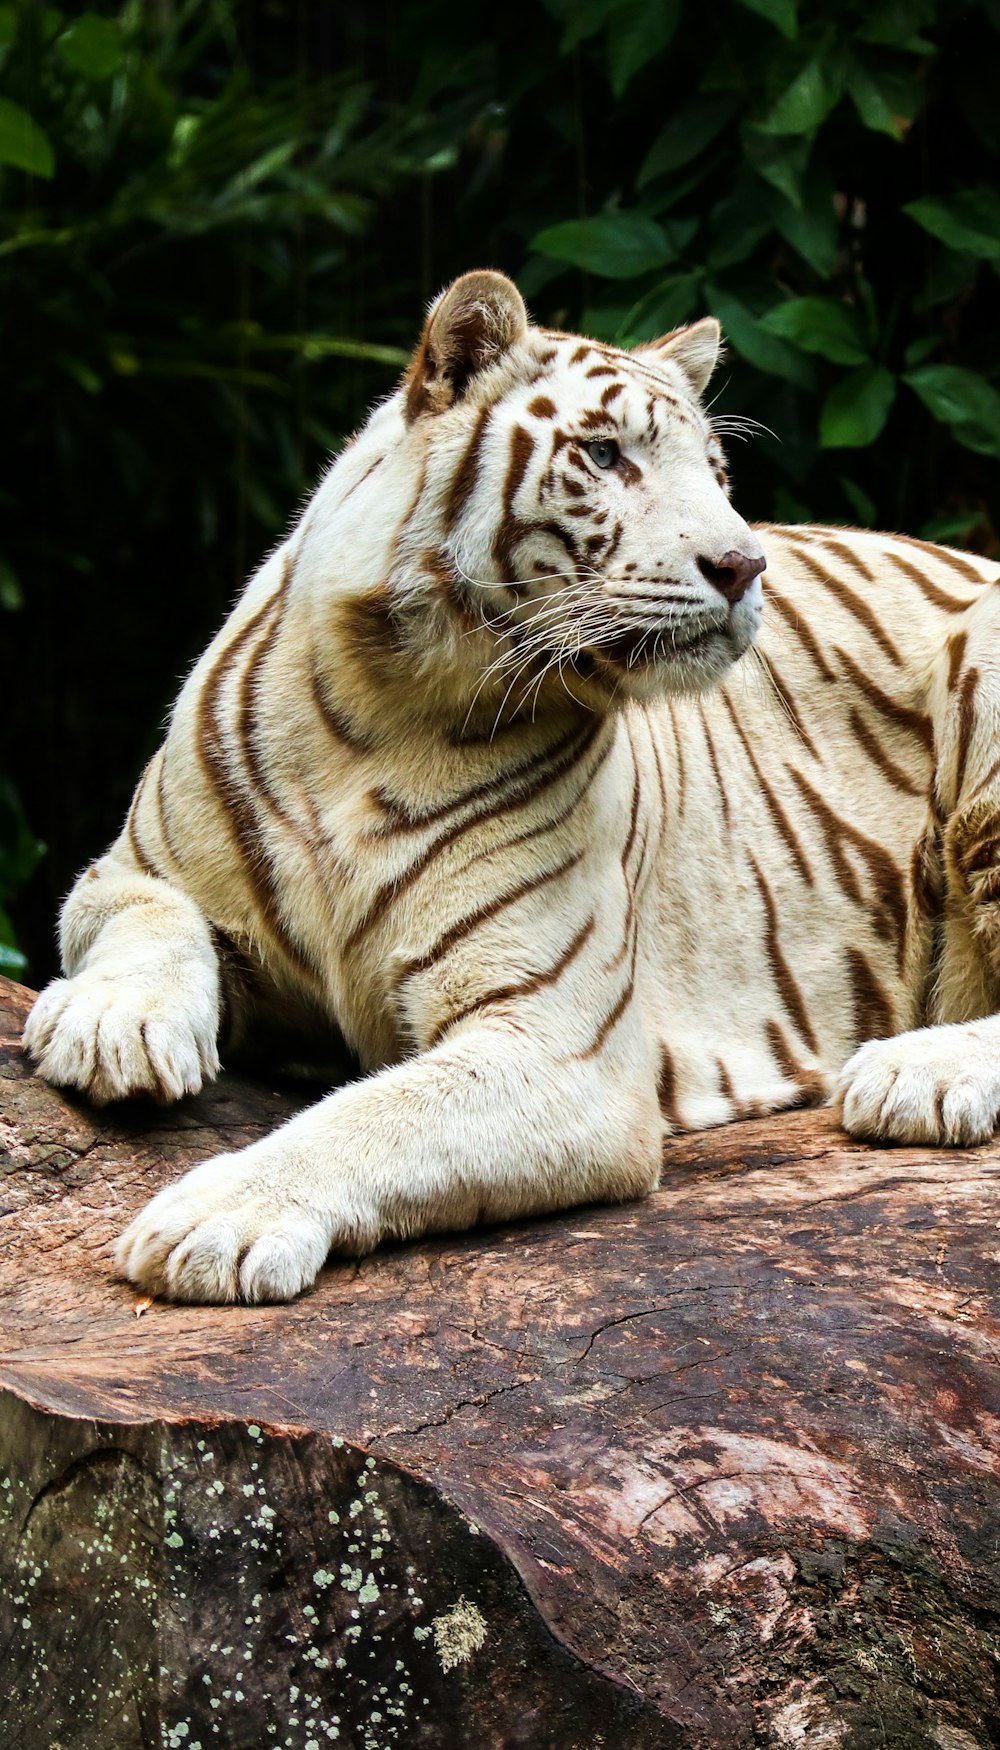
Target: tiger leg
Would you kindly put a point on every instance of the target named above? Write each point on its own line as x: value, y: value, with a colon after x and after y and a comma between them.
x: 138, y: 1012
x: 489, y: 1125
x: 941, y: 1084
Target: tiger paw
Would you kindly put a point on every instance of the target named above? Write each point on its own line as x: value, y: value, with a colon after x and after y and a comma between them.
x: 236, y: 1228
x: 937, y: 1085
x: 114, y: 1036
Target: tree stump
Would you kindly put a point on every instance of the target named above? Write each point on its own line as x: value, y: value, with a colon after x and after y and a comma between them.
x: 715, y: 1470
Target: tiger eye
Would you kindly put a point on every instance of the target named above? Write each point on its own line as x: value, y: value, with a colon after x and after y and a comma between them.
x: 604, y: 451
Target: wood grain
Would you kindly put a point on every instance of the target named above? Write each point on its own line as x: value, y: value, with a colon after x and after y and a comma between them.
x: 719, y: 1469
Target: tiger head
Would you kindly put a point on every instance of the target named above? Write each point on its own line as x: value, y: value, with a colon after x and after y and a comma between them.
x: 574, y: 523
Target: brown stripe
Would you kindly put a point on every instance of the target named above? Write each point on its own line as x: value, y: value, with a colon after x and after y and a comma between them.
x: 402, y: 817
x: 713, y: 757
x: 463, y: 481
x: 850, y: 600
x: 984, y: 783
x: 634, y: 815
x: 509, y: 529
x: 917, y: 723
x: 889, y: 910
x: 614, y: 544
x: 957, y: 644
x: 681, y: 784
x: 361, y: 480
x: 337, y: 724
x: 652, y: 730
x: 848, y: 557
x: 215, y: 764
x: 966, y: 724
x: 726, y: 1083
x: 632, y: 888
x: 778, y: 814
x: 951, y: 604
x: 796, y: 623
x: 139, y: 852
x: 789, y: 705
x: 546, y: 826
x: 163, y: 817
x: 612, y: 1019
x: 367, y: 630
x: 941, y: 556
x: 877, y: 754
x: 542, y: 408
x: 927, y: 874
x: 809, y: 1082
x: 383, y: 897
x: 781, y: 972
x: 873, y: 1012
x: 666, y: 1088
x: 483, y: 914
x: 528, y: 987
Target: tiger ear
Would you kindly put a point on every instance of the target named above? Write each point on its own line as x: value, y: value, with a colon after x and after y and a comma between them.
x: 470, y: 327
x: 695, y: 348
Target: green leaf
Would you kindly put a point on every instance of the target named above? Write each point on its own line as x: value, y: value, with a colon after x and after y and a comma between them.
x: 885, y: 102
x: 859, y: 501
x: 969, y: 221
x: 12, y: 961
x: 780, y: 13
x: 582, y: 19
x: 92, y: 46
x: 920, y: 350
x: 781, y: 162
x: 687, y: 133
x: 665, y: 307
x: 637, y: 31
x: 945, y: 528
x: 22, y: 142
x: 738, y: 222
x: 8, y: 26
x: 20, y: 851
x: 892, y: 25
x: 962, y: 399
x: 856, y: 410
x: 603, y: 321
x: 11, y: 593
x: 818, y: 325
x: 616, y: 245
x: 812, y: 229
x: 805, y: 104
x: 751, y: 340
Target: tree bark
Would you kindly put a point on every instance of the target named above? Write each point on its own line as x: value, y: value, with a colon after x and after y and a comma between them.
x: 715, y: 1470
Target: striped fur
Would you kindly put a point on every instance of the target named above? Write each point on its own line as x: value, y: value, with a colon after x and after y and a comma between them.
x: 507, y: 764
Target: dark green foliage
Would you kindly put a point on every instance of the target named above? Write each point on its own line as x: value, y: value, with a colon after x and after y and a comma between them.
x: 218, y: 223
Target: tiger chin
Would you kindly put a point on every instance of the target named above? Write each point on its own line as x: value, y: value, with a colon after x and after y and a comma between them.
x: 512, y: 765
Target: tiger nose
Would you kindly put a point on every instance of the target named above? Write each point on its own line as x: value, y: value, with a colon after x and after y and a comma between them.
x: 733, y: 574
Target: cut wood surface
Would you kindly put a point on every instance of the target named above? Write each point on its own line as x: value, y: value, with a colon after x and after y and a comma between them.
x: 714, y: 1470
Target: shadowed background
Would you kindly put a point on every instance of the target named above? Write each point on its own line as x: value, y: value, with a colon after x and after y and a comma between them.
x: 219, y: 224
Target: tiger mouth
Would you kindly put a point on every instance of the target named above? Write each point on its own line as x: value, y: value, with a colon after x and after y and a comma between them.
x: 641, y: 646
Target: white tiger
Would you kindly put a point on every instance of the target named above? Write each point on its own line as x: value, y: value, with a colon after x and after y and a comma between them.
x: 474, y: 770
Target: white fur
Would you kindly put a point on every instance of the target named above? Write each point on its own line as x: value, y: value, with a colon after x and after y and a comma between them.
x: 522, y: 976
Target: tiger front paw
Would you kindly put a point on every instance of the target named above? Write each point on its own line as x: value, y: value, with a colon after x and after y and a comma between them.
x: 240, y: 1227
x: 937, y: 1085
x: 115, y: 1036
